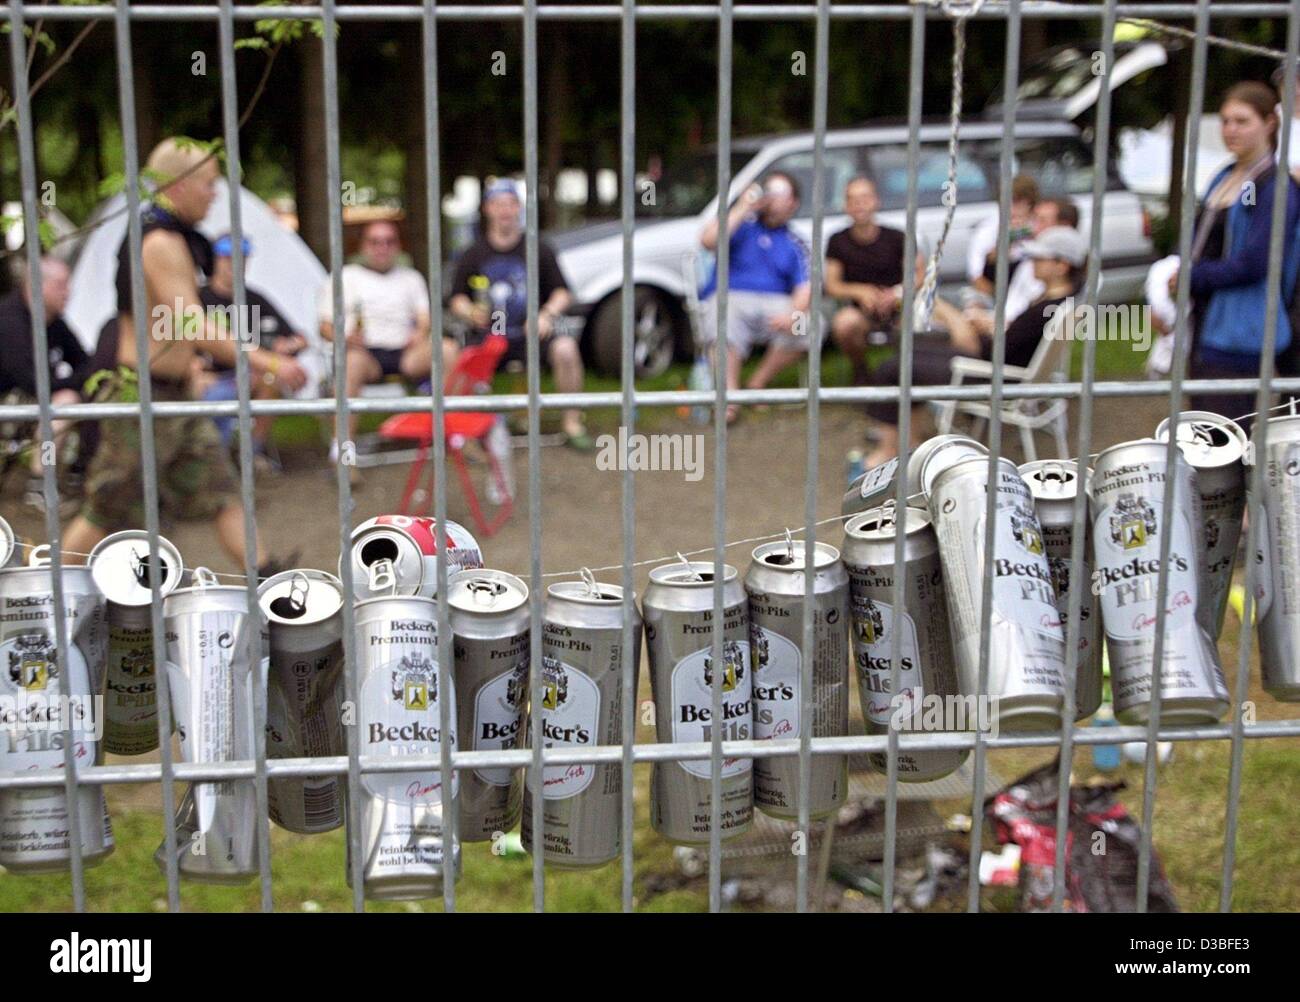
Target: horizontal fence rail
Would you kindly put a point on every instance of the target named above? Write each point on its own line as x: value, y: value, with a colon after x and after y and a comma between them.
x: 532, y: 755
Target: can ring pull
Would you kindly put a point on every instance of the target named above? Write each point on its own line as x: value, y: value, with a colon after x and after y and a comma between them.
x: 299, y: 585
x: 690, y: 569
x: 40, y: 556
x: 204, y: 578
x: 485, y: 590
x: 382, y: 576
x: 888, y: 514
x: 589, y: 580
x: 789, y: 546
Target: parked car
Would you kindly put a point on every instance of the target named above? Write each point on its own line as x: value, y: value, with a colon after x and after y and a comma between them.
x: 668, y: 257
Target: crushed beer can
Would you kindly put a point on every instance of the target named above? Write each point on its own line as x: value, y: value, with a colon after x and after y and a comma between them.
x: 880, y: 483
x: 1275, y: 527
x: 212, y: 680
x: 304, y: 695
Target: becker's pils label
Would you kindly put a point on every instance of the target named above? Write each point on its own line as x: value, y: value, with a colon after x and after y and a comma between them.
x: 570, y: 716
x: 874, y: 626
x: 499, y: 716
x: 692, y: 704
x: 776, y: 684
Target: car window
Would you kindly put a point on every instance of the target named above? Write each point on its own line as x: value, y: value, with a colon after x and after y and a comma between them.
x: 1062, y: 165
x: 841, y: 165
x: 887, y: 164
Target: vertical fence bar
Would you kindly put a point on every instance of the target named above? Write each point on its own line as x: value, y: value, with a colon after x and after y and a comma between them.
x: 1182, y: 347
x: 915, y: 92
x: 445, y: 641
x: 1260, y: 444
x: 720, y: 447
x: 49, y: 470
x: 148, y: 447
x: 534, y: 444
x: 230, y: 130
x: 812, y: 443
x: 1080, y: 514
x: 627, y: 382
x: 352, y: 689
x: 1011, y: 76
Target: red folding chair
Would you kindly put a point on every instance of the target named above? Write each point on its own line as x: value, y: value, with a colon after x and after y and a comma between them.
x: 472, y: 373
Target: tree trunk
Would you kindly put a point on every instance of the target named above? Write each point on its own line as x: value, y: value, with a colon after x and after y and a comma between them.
x: 416, y: 226
x: 309, y: 155
x: 148, y: 126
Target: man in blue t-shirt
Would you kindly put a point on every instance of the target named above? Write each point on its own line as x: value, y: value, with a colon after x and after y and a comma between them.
x: 769, y: 288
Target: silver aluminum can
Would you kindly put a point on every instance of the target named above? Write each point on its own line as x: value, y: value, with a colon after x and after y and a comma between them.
x: 304, y: 695
x: 39, y: 691
x: 8, y: 543
x: 1128, y: 485
x: 582, y: 706
x: 774, y: 585
x: 1055, y: 484
x: 1216, y: 448
x: 1275, y: 525
x: 410, y: 543
x: 1026, y: 666
x: 402, y: 813
x: 927, y: 671
x: 212, y: 680
x: 678, y: 610
x: 120, y: 565
x: 490, y: 630
x: 880, y: 483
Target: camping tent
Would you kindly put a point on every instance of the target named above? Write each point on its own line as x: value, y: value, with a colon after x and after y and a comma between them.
x: 281, y: 266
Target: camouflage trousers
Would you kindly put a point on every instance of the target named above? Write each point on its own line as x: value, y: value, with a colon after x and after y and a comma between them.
x: 196, y: 478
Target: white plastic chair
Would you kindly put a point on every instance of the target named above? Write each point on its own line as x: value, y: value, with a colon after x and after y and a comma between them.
x: 1027, y: 414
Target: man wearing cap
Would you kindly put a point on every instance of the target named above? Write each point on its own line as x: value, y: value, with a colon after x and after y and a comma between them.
x: 1056, y: 256
x: 386, y: 317
x: 266, y: 325
x: 489, y: 293
x: 769, y: 292
x: 196, y: 478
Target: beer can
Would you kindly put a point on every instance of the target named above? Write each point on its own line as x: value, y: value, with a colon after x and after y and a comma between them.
x: 40, y: 692
x: 678, y: 610
x: 582, y: 706
x: 1215, y: 446
x: 774, y: 585
x: 491, y: 635
x: 1275, y: 525
x: 402, y: 813
x: 1054, y: 484
x: 880, y: 483
x: 927, y: 671
x: 304, y: 695
x: 1026, y: 665
x: 121, y: 568
x: 1128, y: 485
x: 212, y: 680
x: 410, y: 544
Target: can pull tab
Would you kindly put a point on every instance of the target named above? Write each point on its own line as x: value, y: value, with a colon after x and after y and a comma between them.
x: 140, y: 566
x: 789, y: 546
x: 589, y: 580
x: 298, y: 587
x: 485, y: 590
x: 40, y: 556
x: 204, y: 578
x: 382, y: 575
x: 692, y: 573
x: 888, y: 513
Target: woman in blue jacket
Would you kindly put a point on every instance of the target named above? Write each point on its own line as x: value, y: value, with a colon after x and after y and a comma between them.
x: 1230, y: 252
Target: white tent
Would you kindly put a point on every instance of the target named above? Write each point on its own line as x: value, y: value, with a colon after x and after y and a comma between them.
x: 281, y: 266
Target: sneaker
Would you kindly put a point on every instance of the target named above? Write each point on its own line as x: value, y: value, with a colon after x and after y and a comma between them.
x: 580, y: 441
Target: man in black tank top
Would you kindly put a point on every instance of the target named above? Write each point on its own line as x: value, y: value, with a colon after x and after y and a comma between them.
x: 196, y: 478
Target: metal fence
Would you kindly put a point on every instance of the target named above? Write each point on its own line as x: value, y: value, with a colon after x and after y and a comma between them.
x: 628, y: 14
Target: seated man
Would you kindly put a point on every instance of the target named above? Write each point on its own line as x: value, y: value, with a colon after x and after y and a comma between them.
x: 1057, y: 257
x: 264, y: 322
x: 768, y: 281
x: 864, y: 272
x: 67, y: 363
x: 386, y: 316
x: 490, y: 294
x: 981, y: 252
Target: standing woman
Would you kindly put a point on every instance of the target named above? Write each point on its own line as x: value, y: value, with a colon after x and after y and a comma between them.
x: 1230, y: 253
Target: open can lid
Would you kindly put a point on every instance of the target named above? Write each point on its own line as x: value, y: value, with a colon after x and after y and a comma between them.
x: 120, y: 567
